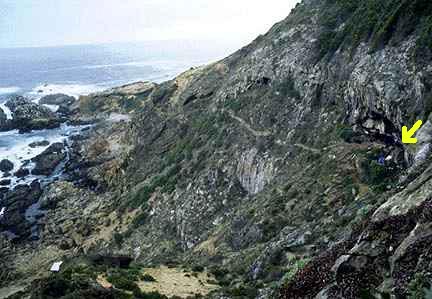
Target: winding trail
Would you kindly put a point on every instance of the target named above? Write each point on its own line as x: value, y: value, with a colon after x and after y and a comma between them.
x: 248, y: 127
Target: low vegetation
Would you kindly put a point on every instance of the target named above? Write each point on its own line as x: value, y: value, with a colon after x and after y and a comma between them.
x: 347, y: 23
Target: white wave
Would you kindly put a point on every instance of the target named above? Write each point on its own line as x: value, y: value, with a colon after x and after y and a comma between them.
x: 53, y: 108
x: 74, y: 90
x: 164, y: 64
x: 156, y: 64
x: 15, y: 148
x: 9, y: 90
x: 6, y: 110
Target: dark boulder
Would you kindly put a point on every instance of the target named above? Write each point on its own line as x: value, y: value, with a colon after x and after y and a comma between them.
x: 22, y: 196
x: 3, y: 117
x: 22, y: 172
x: 30, y: 116
x: 58, y: 99
x: 39, y: 143
x: 6, y: 165
x: 64, y: 103
x: 4, y: 122
x: 3, y: 190
x: 48, y: 160
x: 5, y: 182
x: 16, y: 202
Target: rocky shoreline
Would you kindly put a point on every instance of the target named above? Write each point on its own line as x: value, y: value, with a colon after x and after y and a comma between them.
x: 277, y: 172
x: 21, y: 187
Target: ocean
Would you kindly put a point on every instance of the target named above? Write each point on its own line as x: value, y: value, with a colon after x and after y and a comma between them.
x: 80, y: 70
x: 76, y: 70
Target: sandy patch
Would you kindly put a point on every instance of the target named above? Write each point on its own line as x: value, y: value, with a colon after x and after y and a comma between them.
x: 175, y: 282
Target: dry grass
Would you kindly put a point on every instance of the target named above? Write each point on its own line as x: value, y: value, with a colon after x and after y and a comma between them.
x: 175, y: 282
x: 172, y: 282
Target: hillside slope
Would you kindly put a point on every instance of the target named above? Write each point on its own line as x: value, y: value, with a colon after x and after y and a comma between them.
x: 266, y: 167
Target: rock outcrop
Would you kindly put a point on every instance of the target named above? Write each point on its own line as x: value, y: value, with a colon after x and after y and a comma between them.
x: 280, y: 168
x: 57, y: 99
x: 6, y: 165
x: 49, y: 159
x: 16, y: 203
x: 28, y: 116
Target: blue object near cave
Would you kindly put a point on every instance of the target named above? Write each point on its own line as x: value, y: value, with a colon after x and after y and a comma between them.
x: 381, y: 160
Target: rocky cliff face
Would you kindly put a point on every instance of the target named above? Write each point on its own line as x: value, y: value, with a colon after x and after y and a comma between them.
x: 264, y: 167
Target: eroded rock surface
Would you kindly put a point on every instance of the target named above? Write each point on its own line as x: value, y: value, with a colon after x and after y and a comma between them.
x: 280, y: 168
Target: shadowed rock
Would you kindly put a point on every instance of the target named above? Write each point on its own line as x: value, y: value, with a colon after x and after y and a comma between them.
x: 6, y: 165
x: 48, y: 160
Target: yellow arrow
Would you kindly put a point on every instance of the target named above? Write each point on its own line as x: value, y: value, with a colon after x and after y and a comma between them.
x: 407, y: 135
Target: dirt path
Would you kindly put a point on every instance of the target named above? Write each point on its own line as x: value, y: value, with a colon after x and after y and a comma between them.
x: 248, y: 127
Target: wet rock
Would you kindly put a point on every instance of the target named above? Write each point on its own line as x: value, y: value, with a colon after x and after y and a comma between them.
x: 4, y: 122
x: 62, y: 101
x: 6, y: 165
x: 82, y: 121
x: 57, y: 99
x: 39, y: 143
x: 64, y: 110
x: 22, y: 172
x: 3, y: 116
x: 5, y: 182
x: 22, y: 196
x: 48, y: 160
x: 16, y: 202
x: 30, y: 116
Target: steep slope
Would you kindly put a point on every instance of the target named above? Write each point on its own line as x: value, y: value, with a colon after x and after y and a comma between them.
x: 265, y: 167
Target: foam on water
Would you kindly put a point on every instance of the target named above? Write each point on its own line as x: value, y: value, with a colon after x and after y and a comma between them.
x: 9, y: 90
x: 74, y: 90
x: 15, y: 148
x: 6, y: 110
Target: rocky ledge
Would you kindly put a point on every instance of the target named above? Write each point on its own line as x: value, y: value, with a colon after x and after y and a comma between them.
x: 26, y: 115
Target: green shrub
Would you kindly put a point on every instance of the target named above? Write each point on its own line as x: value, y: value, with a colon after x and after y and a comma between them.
x: 166, y: 182
x: 198, y: 268
x: 377, y: 173
x: 376, y: 21
x: 418, y: 287
x: 244, y: 291
x: 287, y: 88
x: 89, y: 105
x: 121, y: 282
x: 233, y: 104
x: 218, y: 272
x: 140, y: 219
x: 148, y: 278
x: 345, y: 133
x: 152, y: 295
x: 296, y: 265
x: 118, y: 238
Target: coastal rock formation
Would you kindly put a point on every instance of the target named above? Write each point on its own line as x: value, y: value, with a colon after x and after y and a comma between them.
x: 254, y: 172
x: 28, y: 115
x: 58, y: 99
x: 16, y: 202
x: 39, y: 143
x: 63, y: 104
x: 49, y: 159
x: 6, y: 165
x: 3, y: 119
x: 280, y: 168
